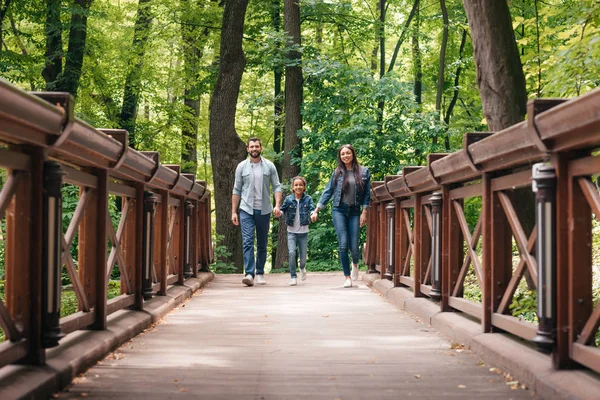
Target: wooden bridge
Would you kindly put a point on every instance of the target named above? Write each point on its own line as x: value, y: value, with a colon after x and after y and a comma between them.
x: 429, y: 252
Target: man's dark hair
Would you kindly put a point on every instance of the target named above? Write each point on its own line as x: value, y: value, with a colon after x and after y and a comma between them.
x: 254, y: 139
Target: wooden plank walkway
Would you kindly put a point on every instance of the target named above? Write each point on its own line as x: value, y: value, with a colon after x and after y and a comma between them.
x: 316, y: 340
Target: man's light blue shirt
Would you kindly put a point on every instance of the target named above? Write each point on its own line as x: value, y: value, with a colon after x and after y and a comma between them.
x: 244, y: 185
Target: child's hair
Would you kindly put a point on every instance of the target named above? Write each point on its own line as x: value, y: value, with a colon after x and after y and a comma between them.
x: 301, y: 178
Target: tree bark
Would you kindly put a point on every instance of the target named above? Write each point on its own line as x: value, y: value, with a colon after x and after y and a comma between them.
x: 293, y: 117
x: 278, y: 139
x: 500, y: 75
x: 69, y: 82
x: 54, y: 50
x: 131, y: 94
x: 226, y: 147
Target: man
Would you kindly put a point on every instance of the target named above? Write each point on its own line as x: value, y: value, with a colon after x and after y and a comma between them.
x: 252, y: 179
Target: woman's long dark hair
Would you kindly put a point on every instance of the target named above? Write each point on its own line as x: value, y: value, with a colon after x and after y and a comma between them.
x: 341, y: 169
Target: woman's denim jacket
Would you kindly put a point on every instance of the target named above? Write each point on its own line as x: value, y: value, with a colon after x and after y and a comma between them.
x: 363, y: 197
x: 289, y: 209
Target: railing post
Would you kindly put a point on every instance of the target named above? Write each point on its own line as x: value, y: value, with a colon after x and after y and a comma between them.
x: 150, y: 201
x: 51, y: 254
x: 544, y: 185
x: 373, y: 232
x: 163, y: 272
x: 436, y: 246
x: 187, y: 227
x: 390, y: 211
x: 419, y: 225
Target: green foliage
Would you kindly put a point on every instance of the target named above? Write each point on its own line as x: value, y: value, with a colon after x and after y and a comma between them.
x: 222, y: 253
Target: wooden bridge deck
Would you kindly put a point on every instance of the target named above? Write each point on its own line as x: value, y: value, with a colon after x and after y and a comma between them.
x: 316, y: 340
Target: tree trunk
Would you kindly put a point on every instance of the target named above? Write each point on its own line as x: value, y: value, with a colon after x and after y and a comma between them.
x: 192, y: 37
x: 412, y: 14
x: 54, y: 50
x: 69, y: 82
x: 278, y: 142
x: 4, y: 4
x: 461, y: 49
x: 381, y: 29
x: 417, y: 63
x: 500, y: 79
x: 499, y: 71
x: 293, y: 117
x: 442, y: 65
x: 131, y: 94
x: 226, y: 147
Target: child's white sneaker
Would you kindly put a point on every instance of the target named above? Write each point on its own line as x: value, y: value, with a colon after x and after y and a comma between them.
x: 303, y: 274
x: 348, y: 283
x: 354, y: 274
x: 293, y: 282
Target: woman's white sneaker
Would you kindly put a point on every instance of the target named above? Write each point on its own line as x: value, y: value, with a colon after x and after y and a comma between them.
x: 354, y: 274
x: 293, y: 282
x: 303, y: 274
x: 348, y: 282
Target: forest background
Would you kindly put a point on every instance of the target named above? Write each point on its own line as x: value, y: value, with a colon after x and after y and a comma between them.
x: 398, y: 79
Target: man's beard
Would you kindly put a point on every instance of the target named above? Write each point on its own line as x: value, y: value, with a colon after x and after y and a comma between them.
x: 252, y: 154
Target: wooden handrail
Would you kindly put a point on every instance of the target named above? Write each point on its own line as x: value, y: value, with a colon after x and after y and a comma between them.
x: 492, y: 167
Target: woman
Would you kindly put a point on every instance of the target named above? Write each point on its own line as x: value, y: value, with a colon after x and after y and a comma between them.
x: 350, y: 186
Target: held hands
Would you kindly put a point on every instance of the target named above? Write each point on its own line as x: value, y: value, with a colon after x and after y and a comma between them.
x: 314, y: 215
x: 276, y: 212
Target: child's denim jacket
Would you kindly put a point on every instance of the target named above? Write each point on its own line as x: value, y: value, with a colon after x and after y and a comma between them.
x: 363, y: 197
x: 289, y: 209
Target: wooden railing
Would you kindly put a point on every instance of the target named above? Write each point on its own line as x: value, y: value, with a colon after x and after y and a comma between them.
x: 163, y: 235
x: 420, y: 236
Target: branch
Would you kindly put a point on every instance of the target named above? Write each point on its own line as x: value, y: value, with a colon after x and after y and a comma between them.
x: 456, y: 79
x: 403, y: 35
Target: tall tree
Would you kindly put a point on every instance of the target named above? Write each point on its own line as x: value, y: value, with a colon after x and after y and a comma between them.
x: 193, y: 41
x: 442, y: 67
x: 500, y: 75
x: 69, y: 82
x: 54, y: 51
x: 417, y: 62
x: 278, y: 141
x: 293, y: 116
x: 133, y: 82
x: 226, y: 147
x: 4, y: 4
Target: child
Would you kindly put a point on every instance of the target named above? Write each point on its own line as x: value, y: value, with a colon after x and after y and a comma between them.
x: 297, y: 208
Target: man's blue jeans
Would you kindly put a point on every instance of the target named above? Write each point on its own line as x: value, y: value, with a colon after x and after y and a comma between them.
x: 300, y: 239
x: 346, y: 221
x: 249, y: 224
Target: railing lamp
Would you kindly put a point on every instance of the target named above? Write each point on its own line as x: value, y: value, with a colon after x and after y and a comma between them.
x: 150, y: 201
x: 390, y: 214
x: 187, y: 227
x: 544, y: 185
x: 52, y: 254
x: 436, y: 246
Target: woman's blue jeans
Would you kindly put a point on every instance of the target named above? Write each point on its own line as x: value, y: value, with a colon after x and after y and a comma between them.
x: 346, y: 221
x: 300, y: 239
x: 249, y: 224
